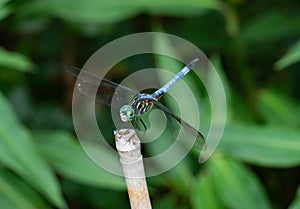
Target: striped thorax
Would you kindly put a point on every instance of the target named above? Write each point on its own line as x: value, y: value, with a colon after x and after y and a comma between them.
x: 140, y: 104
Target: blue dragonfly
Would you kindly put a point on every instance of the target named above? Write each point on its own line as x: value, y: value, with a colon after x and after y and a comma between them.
x: 131, y: 104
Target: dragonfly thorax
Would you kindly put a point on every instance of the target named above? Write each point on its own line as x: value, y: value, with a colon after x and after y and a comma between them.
x: 142, y: 103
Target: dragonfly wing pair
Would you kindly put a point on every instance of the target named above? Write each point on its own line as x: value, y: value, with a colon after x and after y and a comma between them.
x: 108, y: 92
x: 198, y: 137
x: 116, y: 95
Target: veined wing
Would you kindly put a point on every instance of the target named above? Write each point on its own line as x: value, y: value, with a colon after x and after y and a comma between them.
x: 108, y: 92
x: 200, y: 141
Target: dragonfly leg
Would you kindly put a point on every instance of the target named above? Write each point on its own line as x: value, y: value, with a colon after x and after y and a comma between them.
x: 136, y: 124
x: 144, y: 125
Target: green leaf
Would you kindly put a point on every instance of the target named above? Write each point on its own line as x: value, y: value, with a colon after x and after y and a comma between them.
x: 166, y: 201
x: 4, y: 10
x: 177, y: 11
x: 18, y: 152
x: 15, y: 61
x: 231, y: 18
x: 291, y: 57
x: 101, y: 11
x: 268, y: 26
x: 266, y: 146
x: 3, y: 2
x: 203, y: 194
x: 90, y: 11
x: 179, y: 177
x: 296, y: 203
x: 217, y: 64
x: 7, y: 203
x: 278, y: 109
x: 70, y: 160
x: 236, y: 185
x: 18, y: 194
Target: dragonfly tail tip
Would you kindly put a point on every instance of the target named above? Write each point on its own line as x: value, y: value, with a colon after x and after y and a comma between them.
x: 193, y: 63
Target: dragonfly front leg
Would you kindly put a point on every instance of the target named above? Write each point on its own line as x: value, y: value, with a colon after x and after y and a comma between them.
x: 144, y: 125
x: 136, y: 124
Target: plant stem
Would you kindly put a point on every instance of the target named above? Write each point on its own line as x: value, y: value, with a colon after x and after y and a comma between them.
x: 129, y: 148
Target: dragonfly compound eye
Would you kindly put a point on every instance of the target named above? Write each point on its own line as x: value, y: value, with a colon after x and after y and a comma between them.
x: 130, y: 114
x: 127, y: 113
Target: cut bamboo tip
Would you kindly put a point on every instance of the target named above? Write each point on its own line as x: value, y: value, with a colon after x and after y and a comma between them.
x: 129, y: 149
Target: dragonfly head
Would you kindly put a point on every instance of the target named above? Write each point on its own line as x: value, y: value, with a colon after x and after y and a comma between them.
x: 127, y: 113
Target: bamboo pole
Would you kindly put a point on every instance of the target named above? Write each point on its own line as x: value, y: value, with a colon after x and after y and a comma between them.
x: 129, y: 148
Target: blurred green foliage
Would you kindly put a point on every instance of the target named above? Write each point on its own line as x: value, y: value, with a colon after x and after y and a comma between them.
x: 255, y: 47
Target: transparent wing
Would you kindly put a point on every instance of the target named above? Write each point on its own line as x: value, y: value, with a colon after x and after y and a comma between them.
x: 189, y: 130
x: 108, y: 93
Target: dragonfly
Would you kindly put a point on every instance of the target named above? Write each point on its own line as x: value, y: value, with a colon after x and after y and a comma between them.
x: 131, y: 110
